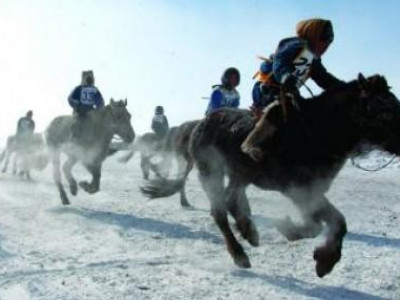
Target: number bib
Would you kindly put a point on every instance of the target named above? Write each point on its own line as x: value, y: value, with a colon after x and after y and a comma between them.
x: 302, y: 65
x: 88, y: 94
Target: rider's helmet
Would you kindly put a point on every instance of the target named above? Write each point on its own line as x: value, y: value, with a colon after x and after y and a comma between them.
x: 227, y: 73
x: 159, y: 110
x: 87, y: 78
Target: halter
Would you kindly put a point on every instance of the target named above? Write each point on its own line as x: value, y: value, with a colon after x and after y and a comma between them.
x: 353, y: 162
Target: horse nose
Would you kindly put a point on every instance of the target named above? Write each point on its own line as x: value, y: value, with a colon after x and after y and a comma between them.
x: 131, y: 136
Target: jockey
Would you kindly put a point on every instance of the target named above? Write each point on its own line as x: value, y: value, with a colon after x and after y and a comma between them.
x: 84, y: 98
x: 295, y: 60
x: 25, y: 127
x: 225, y: 95
x: 159, y: 123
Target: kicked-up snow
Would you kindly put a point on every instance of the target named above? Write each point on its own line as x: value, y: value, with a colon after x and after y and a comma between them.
x: 117, y: 244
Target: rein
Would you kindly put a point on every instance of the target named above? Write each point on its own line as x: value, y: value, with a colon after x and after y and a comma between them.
x: 358, y: 166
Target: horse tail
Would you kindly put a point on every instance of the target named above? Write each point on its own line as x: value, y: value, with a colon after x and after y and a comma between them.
x: 162, y: 187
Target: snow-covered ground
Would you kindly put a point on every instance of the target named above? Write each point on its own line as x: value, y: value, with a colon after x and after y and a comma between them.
x: 116, y: 244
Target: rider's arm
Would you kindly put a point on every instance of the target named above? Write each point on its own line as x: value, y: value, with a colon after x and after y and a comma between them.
x: 216, y: 99
x: 166, y: 123
x: 74, y: 97
x: 286, y: 53
x: 322, y: 77
x: 19, y: 125
x: 99, y: 101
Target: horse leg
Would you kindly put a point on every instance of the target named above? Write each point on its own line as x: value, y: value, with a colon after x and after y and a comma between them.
x: 329, y: 254
x: 57, y: 178
x: 238, y: 206
x: 145, y: 166
x: 93, y: 186
x: 15, y: 161
x: 211, y: 175
x: 67, y: 168
x: 7, y: 156
x: 185, y: 165
x: 28, y: 175
x: 2, y: 157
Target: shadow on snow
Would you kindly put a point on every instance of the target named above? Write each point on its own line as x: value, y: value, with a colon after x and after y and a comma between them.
x: 127, y: 221
x: 322, y: 292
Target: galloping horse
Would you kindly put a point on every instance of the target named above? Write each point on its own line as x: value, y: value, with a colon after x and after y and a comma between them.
x: 300, y: 160
x: 92, y: 146
x: 29, y: 152
x: 149, y: 146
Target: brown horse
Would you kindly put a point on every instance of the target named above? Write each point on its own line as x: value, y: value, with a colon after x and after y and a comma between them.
x: 91, y: 148
x: 300, y: 160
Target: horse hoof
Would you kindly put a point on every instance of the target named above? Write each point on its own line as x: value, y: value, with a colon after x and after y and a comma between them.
x: 185, y: 204
x: 249, y: 232
x: 65, y: 201
x: 73, y: 189
x: 242, y: 261
x: 326, y: 259
x: 87, y: 187
x: 253, y: 237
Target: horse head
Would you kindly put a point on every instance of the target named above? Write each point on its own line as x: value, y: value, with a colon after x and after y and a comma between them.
x: 119, y: 120
x: 378, y: 113
x: 363, y: 109
x: 264, y: 129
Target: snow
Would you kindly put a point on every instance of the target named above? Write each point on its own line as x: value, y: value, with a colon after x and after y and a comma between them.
x: 117, y: 244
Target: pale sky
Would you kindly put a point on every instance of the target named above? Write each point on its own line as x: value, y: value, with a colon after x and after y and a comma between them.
x: 170, y: 52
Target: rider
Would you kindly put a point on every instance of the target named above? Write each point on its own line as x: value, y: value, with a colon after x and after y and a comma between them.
x: 25, y: 128
x: 84, y: 98
x: 225, y: 94
x: 294, y: 61
x: 159, y: 123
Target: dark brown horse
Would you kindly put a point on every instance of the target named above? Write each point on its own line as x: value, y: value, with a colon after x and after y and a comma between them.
x: 300, y: 160
x: 91, y: 148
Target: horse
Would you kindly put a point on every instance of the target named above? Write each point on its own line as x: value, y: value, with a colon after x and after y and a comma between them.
x: 91, y: 148
x: 300, y: 160
x: 29, y: 154
x: 149, y: 145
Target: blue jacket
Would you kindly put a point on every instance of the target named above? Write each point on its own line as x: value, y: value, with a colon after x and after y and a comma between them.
x: 222, y: 97
x: 159, y: 124
x: 84, y: 98
x: 293, y: 56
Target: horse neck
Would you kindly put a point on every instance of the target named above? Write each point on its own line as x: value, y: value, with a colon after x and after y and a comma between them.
x: 331, y: 116
x: 100, y: 124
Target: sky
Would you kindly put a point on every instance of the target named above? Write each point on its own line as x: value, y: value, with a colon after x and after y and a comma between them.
x: 170, y: 52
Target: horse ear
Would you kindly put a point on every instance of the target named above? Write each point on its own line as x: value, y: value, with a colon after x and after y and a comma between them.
x: 126, y: 101
x: 363, y: 81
